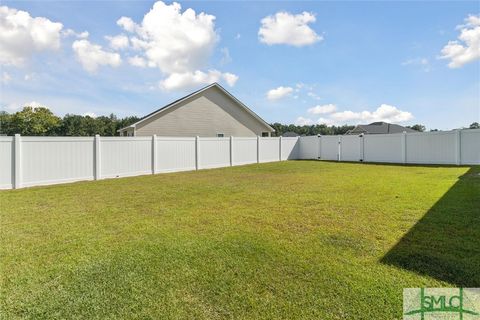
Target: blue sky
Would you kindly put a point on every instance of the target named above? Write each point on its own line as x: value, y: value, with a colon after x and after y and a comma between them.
x: 331, y: 62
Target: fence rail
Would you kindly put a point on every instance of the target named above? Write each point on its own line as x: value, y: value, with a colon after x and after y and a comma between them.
x: 32, y: 161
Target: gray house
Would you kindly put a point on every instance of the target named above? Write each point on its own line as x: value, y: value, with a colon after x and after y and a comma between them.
x: 379, y: 128
x: 209, y: 112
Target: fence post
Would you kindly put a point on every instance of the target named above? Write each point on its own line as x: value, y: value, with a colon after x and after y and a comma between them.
x: 258, y: 149
x: 96, y: 166
x: 362, y: 147
x: 17, y: 183
x: 280, y: 148
x: 404, y: 147
x: 340, y: 148
x: 319, y: 146
x: 458, y: 147
x: 197, y: 152
x: 154, y: 154
x: 231, y: 151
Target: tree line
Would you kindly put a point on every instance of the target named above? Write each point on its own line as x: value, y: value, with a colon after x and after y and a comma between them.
x: 40, y: 121
x: 310, y: 130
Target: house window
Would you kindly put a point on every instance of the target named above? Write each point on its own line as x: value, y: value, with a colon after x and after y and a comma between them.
x: 220, y: 135
x: 265, y: 134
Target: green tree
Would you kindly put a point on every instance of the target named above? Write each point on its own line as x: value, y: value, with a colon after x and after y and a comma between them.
x: 310, y: 130
x: 125, y: 122
x: 475, y: 125
x: 73, y: 125
x: 39, y: 121
x: 418, y: 127
x: 5, y: 123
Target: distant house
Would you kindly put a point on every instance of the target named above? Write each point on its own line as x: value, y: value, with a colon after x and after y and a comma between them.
x: 209, y: 112
x: 290, y: 134
x: 379, y: 128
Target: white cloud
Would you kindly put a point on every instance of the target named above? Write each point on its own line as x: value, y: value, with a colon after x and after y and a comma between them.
x: 34, y: 104
x: 422, y: 63
x: 29, y: 76
x: 313, y: 95
x: 230, y: 78
x: 226, y: 58
x: 6, y: 78
x: 323, y: 109
x: 286, y: 28
x: 91, y: 55
x: 385, y: 113
x: 127, y: 24
x: 467, y: 48
x: 118, y: 42
x: 325, y: 121
x: 278, y: 93
x: 137, y: 61
x: 22, y: 35
x: 301, y: 121
x: 173, y: 41
x: 90, y: 114
x: 178, y: 43
x: 79, y: 35
x: 185, y: 80
x: 415, y: 61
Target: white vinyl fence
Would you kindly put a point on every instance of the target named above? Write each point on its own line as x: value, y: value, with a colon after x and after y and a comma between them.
x: 456, y: 147
x: 32, y: 161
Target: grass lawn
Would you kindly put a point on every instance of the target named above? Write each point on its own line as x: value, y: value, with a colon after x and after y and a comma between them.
x: 291, y: 240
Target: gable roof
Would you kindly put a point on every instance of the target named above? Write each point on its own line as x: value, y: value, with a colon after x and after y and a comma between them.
x: 215, y: 84
x: 379, y: 128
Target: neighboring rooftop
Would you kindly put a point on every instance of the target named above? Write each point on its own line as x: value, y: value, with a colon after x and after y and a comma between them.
x: 379, y: 128
x: 290, y: 134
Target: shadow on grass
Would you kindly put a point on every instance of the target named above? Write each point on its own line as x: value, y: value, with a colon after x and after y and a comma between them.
x: 390, y: 164
x: 445, y: 243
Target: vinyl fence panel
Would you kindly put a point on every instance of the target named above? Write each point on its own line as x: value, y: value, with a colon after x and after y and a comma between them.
x: 383, y: 148
x: 350, y: 146
x: 175, y: 154
x: 470, y: 146
x: 269, y: 149
x: 214, y: 152
x: 309, y: 147
x: 329, y: 148
x: 244, y: 150
x: 125, y: 156
x: 432, y: 147
x: 289, y: 148
x: 50, y: 160
x: 7, y: 162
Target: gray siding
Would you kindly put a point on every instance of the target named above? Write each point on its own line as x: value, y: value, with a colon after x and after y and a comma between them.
x: 206, y: 114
